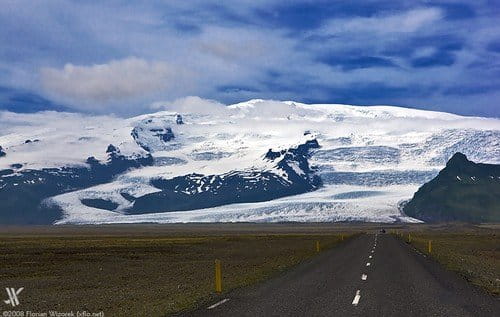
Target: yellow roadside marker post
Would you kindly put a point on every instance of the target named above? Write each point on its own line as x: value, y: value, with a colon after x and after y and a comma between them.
x: 430, y: 246
x: 409, y: 238
x: 218, y: 277
x: 342, y: 237
x: 317, y: 246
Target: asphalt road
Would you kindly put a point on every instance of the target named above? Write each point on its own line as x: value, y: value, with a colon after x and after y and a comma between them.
x: 399, y: 282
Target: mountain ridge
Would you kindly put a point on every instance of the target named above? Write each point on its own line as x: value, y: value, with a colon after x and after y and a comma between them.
x: 462, y: 191
x: 370, y: 159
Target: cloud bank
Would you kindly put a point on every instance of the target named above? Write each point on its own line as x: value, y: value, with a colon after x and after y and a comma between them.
x: 402, y: 22
x: 116, y: 81
x: 192, y: 104
x: 120, y: 57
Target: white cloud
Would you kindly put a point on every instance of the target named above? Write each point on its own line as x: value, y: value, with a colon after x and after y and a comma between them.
x: 424, y: 52
x: 192, y: 104
x: 229, y: 51
x: 409, y: 21
x: 116, y: 81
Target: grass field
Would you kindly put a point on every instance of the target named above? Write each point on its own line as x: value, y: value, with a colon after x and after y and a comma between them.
x: 143, y: 273
x: 157, y: 270
x: 474, y: 254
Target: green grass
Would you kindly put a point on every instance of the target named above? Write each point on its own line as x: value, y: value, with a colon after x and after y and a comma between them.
x: 475, y: 255
x: 143, y: 275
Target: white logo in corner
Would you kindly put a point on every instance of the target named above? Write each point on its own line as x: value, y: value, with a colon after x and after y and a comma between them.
x: 13, y: 299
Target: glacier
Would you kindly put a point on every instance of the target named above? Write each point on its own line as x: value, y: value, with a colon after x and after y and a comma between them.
x: 370, y: 159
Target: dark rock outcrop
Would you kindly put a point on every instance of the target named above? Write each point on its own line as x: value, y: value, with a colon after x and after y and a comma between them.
x: 194, y: 191
x: 22, y: 194
x: 164, y: 134
x: 100, y: 203
x: 142, y: 135
x: 178, y: 119
x: 2, y: 152
x: 112, y: 149
x: 463, y: 191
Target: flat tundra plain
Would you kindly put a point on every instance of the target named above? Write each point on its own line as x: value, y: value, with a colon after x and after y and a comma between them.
x: 287, y: 269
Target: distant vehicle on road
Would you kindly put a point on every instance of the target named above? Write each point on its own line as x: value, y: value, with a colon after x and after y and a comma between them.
x: 382, y: 230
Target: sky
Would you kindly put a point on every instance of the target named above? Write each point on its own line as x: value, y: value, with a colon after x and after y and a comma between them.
x: 123, y: 57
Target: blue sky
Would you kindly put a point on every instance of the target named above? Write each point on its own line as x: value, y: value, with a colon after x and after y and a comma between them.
x: 121, y: 56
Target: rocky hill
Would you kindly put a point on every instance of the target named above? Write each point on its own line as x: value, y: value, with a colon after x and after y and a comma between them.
x: 462, y: 191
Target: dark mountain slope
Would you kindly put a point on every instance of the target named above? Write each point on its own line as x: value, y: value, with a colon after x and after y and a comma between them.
x: 463, y: 191
x: 22, y: 192
x: 292, y: 176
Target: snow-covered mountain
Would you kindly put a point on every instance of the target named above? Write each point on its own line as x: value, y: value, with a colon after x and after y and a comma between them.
x: 253, y: 161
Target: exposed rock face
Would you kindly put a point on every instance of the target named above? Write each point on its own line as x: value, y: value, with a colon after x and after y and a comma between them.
x: 295, y: 162
x: 179, y: 120
x: 22, y: 193
x: 100, y: 203
x: 463, y: 191
x: 2, y: 152
x: 165, y: 134
x: 292, y: 175
x: 112, y: 149
x: 116, y: 163
x: 153, y: 136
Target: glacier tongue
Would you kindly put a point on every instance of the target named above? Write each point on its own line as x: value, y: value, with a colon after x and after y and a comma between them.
x: 318, y: 206
x: 371, y: 158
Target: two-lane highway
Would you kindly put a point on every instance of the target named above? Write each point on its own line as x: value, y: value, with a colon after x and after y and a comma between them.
x: 371, y: 275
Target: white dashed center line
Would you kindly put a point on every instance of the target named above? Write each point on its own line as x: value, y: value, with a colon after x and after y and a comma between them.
x: 355, y: 301
x: 218, y: 303
x: 364, y: 277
